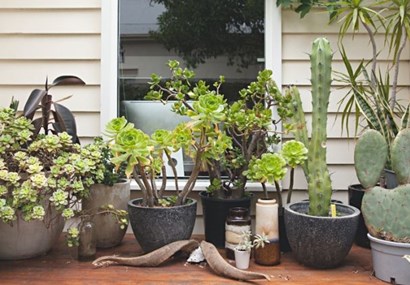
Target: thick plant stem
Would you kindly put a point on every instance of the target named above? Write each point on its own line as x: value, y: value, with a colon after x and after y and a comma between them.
x: 292, y: 180
x: 319, y: 183
x: 279, y: 194
x: 299, y: 121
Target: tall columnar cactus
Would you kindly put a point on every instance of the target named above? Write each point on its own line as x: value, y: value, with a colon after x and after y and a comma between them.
x: 315, y: 168
x: 386, y: 211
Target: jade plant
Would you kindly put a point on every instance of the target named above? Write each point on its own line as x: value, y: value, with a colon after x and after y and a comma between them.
x: 315, y: 167
x: 40, y: 172
x: 146, y: 156
x: 247, y: 122
x: 385, y: 211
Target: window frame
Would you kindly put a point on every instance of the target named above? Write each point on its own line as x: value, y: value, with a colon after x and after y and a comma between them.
x: 109, y: 108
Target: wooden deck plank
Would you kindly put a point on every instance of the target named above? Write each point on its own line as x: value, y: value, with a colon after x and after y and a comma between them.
x: 58, y: 267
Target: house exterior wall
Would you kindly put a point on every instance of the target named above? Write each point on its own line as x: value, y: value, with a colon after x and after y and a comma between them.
x: 49, y: 38
x: 41, y: 39
x: 297, y: 36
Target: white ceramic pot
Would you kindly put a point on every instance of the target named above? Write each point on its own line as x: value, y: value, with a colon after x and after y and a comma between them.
x: 242, y: 258
x: 388, y: 262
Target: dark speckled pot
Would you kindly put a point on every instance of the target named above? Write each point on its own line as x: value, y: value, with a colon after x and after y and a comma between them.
x: 321, y: 242
x: 156, y: 227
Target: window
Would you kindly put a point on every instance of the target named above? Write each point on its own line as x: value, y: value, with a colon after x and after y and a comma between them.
x: 139, y: 53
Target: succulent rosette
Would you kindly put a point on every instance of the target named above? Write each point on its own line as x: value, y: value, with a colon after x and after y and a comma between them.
x: 50, y: 168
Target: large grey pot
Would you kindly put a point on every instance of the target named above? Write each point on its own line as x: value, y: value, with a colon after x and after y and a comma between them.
x: 158, y: 226
x: 388, y: 262
x: 320, y: 242
x: 23, y: 239
x: 107, y: 228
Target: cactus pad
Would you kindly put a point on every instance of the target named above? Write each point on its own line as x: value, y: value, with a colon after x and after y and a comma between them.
x: 387, y: 213
x: 370, y: 156
x: 400, y: 156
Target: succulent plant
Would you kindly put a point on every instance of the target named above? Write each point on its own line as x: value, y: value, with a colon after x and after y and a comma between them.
x: 315, y: 167
x: 49, y: 167
x: 385, y: 211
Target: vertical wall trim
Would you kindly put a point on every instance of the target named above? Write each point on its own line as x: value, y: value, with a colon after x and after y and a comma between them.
x: 109, y: 64
x: 273, y: 44
x: 273, y: 40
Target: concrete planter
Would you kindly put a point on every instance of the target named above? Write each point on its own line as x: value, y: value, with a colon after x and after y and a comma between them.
x: 158, y: 226
x: 23, y: 239
x: 388, y: 262
x: 107, y: 229
x: 321, y: 242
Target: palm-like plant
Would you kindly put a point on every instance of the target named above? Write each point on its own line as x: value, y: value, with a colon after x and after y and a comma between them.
x: 371, y: 95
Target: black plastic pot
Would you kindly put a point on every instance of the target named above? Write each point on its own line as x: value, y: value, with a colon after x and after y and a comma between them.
x: 215, y: 212
x: 320, y: 242
x: 159, y: 226
x: 390, y: 179
x: 356, y: 193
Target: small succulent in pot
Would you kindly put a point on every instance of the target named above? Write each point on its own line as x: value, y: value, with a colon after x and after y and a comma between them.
x: 249, y: 241
x: 43, y: 168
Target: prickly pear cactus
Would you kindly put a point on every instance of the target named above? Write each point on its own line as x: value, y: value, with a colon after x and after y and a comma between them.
x: 386, y: 211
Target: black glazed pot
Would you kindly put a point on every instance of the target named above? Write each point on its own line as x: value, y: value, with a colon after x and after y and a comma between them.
x: 320, y: 242
x: 356, y: 193
x: 215, y: 212
x: 159, y: 226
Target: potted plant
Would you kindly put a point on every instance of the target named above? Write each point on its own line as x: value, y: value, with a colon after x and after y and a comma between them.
x: 146, y: 157
x: 317, y: 239
x: 108, y: 199
x: 372, y: 96
x: 42, y: 178
x: 385, y: 211
x: 248, y: 121
x: 52, y: 120
x: 272, y: 168
x: 243, y: 249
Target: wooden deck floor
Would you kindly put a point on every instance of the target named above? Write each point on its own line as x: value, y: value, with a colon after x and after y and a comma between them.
x: 59, y: 268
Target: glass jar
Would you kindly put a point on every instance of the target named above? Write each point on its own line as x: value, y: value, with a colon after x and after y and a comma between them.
x: 267, y: 223
x: 237, y: 222
x: 88, y: 241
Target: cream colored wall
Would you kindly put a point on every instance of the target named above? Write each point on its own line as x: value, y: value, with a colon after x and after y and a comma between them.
x: 52, y: 38
x: 296, y: 43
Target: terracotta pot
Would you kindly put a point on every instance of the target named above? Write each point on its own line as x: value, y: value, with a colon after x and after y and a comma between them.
x: 107, y: 230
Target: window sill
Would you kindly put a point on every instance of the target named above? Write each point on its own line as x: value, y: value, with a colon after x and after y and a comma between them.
x: 201, y: 185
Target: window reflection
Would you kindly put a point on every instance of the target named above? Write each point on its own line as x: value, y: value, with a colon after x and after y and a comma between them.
x: 212, y: 37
